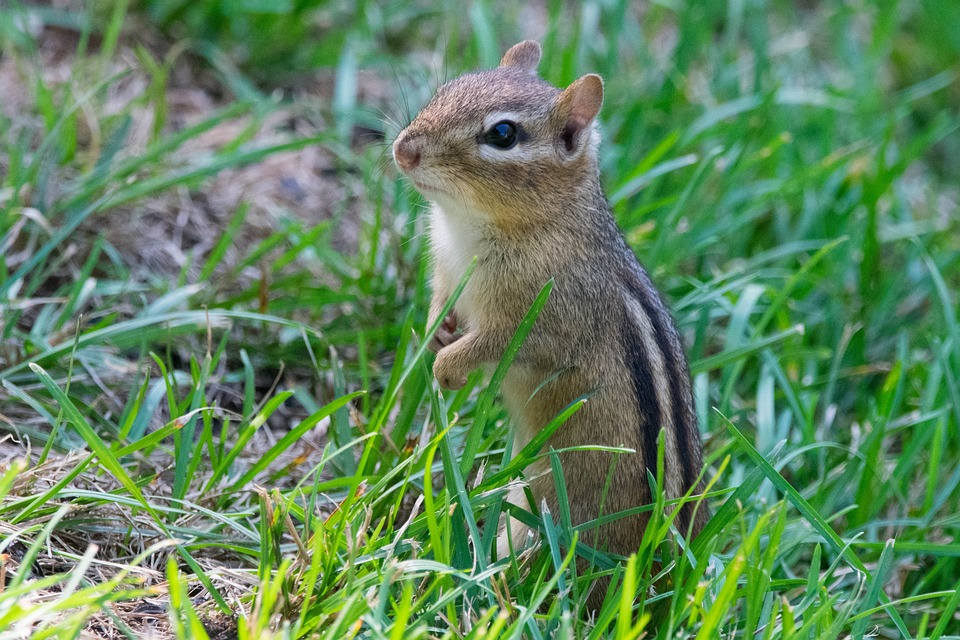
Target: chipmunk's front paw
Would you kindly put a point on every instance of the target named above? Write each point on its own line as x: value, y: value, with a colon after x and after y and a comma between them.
x: 449, y: 373
x: 446, y: 334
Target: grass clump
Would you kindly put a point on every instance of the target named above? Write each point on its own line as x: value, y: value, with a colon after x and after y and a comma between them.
x: 218, y: 411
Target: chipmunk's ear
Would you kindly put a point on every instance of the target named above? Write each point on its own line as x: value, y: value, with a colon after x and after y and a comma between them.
x: 524, y: 55
x: 574, y: 111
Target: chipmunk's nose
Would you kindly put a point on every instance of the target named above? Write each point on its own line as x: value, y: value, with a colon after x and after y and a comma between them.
x: 406, y: 151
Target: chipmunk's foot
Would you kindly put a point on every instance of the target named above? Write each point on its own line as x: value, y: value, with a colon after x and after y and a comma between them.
x: 515, y: 536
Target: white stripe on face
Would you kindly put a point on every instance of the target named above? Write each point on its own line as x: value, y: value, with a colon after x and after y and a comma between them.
x: 530, y: 150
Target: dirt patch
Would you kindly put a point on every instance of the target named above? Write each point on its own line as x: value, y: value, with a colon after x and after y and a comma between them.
x: 175, y: 230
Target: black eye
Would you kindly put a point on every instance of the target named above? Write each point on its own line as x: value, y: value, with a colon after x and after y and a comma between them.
x: 502, y: 135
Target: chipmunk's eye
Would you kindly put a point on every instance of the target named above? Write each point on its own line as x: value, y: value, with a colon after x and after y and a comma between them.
x: 502, y: 135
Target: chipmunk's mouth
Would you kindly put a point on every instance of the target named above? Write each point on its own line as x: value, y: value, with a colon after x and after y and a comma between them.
x: 427, y: 189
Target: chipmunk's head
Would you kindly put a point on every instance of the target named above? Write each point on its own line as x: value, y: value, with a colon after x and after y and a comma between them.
x: 503, y: 140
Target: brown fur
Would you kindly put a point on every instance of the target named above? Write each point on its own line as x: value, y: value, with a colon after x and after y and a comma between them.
x: 529, y: 221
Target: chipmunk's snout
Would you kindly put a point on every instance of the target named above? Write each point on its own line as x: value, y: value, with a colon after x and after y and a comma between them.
x: 407, y: 150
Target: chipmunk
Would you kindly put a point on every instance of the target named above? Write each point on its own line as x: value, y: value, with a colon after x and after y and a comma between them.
x: 509, y: 163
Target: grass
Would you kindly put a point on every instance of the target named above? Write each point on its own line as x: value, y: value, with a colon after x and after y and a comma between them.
x: 219, y: 414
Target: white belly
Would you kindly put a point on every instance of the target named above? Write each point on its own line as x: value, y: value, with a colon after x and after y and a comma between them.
x: 454, y: 234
